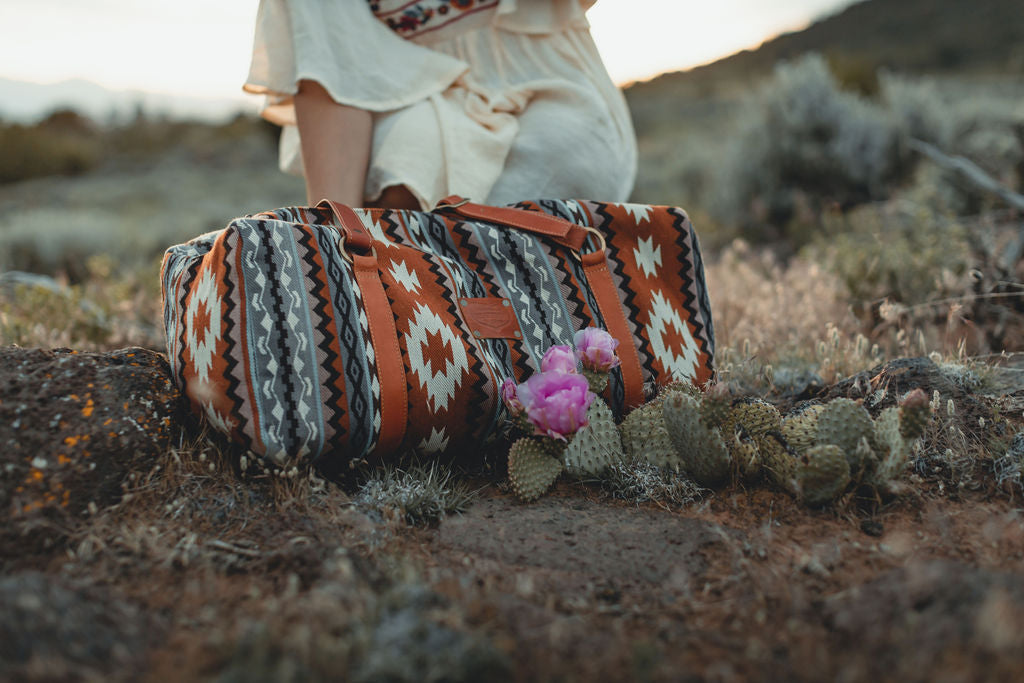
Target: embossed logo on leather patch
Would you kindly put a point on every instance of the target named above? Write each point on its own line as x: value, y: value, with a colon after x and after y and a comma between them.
x: 490, y: 318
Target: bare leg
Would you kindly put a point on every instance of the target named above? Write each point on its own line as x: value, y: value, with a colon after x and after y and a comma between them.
x: 336, y: 142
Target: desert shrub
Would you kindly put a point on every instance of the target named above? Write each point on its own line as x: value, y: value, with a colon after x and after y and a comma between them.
x: 977, y: 120
x: 902, y: 252
x: 63, y: 144
x: 51, y: 240
x: 802, y: 144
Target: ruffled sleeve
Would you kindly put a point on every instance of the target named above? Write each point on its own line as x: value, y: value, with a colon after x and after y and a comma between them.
x: 342, y: 46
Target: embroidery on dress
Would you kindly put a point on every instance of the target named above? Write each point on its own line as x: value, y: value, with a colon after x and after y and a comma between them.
x: 410, y: 19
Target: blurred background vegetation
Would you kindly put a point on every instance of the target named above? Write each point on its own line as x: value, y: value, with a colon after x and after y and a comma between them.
x: 796, y: 162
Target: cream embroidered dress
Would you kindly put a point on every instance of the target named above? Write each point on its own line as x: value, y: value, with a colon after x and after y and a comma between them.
x: 494, y: 100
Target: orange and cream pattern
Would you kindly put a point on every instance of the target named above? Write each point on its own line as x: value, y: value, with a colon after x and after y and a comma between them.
x: 272, y: 339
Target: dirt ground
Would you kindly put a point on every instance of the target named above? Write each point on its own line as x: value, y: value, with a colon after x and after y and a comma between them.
x: 253, y: 581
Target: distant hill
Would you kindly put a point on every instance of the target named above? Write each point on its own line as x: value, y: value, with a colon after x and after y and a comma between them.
x: 30, y: 102
x: 917, y: 36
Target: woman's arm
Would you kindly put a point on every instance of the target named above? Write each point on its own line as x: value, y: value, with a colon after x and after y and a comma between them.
x: 335, y: 142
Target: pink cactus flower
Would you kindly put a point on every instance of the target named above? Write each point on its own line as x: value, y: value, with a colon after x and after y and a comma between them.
x: 510, y: 396
x: 558, y: 359
x: 595, y: 348
x: 556, y: 403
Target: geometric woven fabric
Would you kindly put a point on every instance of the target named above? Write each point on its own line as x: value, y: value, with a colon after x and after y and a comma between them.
x: 269, y: 336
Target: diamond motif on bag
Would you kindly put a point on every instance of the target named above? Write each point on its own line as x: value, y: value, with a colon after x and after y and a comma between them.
x: 648, y: 257
x: 433, y: 344
x: 405, y: 277
x: 639, y: 212
x: 202, y: 325
x: 437, y: 442
x: 671, y: 341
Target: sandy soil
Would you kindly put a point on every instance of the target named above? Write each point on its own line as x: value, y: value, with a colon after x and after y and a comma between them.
x: 747, y: 585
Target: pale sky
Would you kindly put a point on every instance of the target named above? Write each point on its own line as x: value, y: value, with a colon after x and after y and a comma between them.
x: 202, y: 47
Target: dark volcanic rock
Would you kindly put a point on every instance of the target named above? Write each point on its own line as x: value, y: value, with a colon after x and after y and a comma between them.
x: 894, y: 379
x: 73, y: 424
x: 53, y: 631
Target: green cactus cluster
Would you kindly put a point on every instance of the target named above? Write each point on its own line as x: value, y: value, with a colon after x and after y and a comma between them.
x: 816, y: 451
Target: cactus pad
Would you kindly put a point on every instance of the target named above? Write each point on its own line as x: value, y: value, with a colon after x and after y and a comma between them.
x: 822, y: 473
x: 644, y: 437
x: 745, y: 453
x: 715, y: 406
x: 800, y: 427
x: 594, y: 447
x: 702, y: 452
x: 778, y: 460
x: 756, y: 416
x: 598, y: 381
x: 892, y: 448
x: 844, y: 423
x: 915, y: 413
x: 532, y: 468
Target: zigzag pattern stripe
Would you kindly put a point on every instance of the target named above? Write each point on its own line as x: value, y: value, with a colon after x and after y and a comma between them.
x: 330, y: 337
x: 232, y: 364
x: 684, y: 258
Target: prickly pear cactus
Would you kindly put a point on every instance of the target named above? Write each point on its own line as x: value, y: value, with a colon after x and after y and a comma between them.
x: 594, y: 447
x: 644, y: 437
x: 755, y: 415
x: 744, y: 451
x: 532, y: 468
x: 800, y: 426
x: 598, y: 381
x: 703, y: 453
x: 715, y: 407
x: 778, y: 460
x: 822, y: 474
x: 896, y: 430
x: 892, y: 449
x: 844, y: 423
x: 915, y: 413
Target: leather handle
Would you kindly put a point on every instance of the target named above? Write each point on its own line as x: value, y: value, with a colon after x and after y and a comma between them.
x: 595, y: 267
x: 356, y: 235
x: 560, y: 231
x: 394, y: 402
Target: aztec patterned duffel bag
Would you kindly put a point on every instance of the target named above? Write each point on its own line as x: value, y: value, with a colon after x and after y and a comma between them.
x: 335, y: 333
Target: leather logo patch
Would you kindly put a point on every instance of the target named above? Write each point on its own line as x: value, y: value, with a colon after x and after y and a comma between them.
x: 490, y: 318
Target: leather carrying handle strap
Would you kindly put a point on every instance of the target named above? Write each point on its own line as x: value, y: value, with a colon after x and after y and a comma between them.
x: 356, y: 235
x: 394, y: 401
x: 595, y: 267
x: 560, y: 231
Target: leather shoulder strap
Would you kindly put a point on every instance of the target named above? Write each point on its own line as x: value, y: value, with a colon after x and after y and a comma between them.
x: 595, y: 266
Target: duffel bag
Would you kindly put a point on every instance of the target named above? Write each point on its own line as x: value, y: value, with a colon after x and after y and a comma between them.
x: 338, y: 334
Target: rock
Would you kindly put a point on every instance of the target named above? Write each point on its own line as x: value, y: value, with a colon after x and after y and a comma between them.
x: 74, y: 424
x: 53, y: 630
x: 883, y: 385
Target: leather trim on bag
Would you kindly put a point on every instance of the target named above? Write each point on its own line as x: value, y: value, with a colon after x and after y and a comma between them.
x: 595, y: 266
x: 490, y: 318
x: 561, y: 231
x: 356, y: 235
x: 394, y: 401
